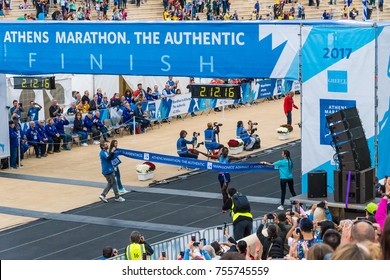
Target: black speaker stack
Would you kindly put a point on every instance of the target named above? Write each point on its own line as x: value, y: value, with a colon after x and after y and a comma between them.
x: 353, y: 155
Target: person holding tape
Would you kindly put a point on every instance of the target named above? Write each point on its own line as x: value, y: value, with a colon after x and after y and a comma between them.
x: 285, y: 166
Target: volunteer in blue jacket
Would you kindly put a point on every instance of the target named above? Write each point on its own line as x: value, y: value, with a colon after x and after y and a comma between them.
x: 99, y: 125
x: 115, y: 163
x: 89, y: 124
x: 210, y: 140
x: 14, y: 144
x: 53, y: 135
x: 43, y: 135
x: 181, y: 145
x: 35, y: 140
x: 108, y: 172
x: 60, y: 122
x: 242, y: 133
x: 285, y: 167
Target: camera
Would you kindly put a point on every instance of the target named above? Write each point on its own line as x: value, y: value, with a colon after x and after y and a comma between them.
x: 321, y: 204
x: 193, y: 238
x: 195, y: 134
x: 297, y: 230
x: 252, y: 123
x: 270, y: 216
x: 218, y: 124
x: 199, y: 144
x: 164, y: 254
x: 294, y: 202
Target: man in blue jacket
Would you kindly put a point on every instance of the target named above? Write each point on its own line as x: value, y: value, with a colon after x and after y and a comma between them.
x: 99, y: 126
x: 35, y: 140
x: 128, y: 117
x: 33, y: 111
x: 108, y: 173
x: 89, y: 123
x: 53, y: 136
x: 14, y: 144
x: 43, y: 136
x: 60, y: 122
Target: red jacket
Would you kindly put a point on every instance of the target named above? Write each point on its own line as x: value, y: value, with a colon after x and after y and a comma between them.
x: 289, y: 104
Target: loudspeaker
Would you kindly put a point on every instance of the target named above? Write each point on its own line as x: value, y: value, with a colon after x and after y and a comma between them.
x: 317, y: 184
x: 345, y: 125
x: 351, y: 134
x: 342, y: 115
x: 361, y: 187
x: 338, y: 186
x: 354, y: 154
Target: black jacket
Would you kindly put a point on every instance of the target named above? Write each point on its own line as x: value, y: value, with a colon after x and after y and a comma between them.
x: 271, y: 248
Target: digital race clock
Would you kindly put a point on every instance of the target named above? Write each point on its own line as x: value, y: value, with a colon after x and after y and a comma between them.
x: 226, y: 91
x: 34, y: 83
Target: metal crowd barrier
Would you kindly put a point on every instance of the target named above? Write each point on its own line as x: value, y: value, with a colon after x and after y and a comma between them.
x: 173, y: 246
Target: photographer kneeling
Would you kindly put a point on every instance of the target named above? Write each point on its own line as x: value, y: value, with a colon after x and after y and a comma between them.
x: 242, y: 133
x: 181, y: 145
x: 210, y: 137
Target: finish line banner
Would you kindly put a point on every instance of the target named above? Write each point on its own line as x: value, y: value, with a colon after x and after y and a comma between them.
x: 149, y: 48
x: 195, y: 163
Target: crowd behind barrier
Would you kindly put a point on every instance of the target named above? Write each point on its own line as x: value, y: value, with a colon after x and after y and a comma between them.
x: 301, y: 233
x: 173, y: 246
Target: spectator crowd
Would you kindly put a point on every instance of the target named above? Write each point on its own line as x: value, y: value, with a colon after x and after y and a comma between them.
x: 299, y: 234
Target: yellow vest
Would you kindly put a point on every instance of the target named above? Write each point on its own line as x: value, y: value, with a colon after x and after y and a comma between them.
x: 135, y: 251
x: 236, y: 215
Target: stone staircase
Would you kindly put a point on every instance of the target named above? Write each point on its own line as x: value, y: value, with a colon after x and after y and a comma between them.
x: 153, y: 10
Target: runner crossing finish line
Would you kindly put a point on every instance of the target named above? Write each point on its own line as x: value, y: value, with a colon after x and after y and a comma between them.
x: 195, y: 163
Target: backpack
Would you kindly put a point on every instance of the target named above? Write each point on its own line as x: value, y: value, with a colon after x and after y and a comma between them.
x: 257, y: 143
x: 241, y: 203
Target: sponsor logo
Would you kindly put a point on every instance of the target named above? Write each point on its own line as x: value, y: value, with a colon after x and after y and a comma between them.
x: 337, y: 81
x: 210, y: 165
x: 146, y: 156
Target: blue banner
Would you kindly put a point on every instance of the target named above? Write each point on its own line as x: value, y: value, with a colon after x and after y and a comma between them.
x: 246, y: 92
x: 141, y: 48
x: 195, y: 163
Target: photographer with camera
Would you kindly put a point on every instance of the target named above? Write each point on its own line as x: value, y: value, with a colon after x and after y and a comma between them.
x: 242, y: 133
x: 320, y: 212
x: 210, y: 137
x: 181, y: 145
x: 272, y: 243
x: 16, y: 109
